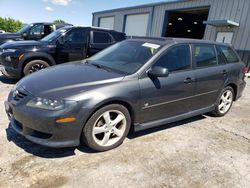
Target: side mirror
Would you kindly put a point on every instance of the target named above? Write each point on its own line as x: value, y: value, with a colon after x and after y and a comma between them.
x: 158, y: 72
x: 24, y: 34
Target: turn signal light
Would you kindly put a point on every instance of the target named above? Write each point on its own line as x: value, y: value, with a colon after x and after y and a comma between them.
x: 20, y: 57
x: 66, y: 120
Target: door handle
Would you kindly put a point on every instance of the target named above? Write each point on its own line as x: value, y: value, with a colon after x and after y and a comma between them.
x: 188, y: 80
x: 224, y: 72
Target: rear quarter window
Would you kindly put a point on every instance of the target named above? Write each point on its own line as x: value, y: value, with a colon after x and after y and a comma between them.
x: 229, y: 54
x: 100, y: 37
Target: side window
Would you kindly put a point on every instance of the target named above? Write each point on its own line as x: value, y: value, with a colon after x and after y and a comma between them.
x: 36, y: 30
x: 75, y: 37
x: 204, y: 55
x: 229, y: 54
x: 175, y: 59
x: 101, y: 37
x: 220, y: 56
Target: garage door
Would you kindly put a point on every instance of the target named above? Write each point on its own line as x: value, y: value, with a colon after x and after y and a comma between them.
x: 107, y: 22
x: 136, y: 25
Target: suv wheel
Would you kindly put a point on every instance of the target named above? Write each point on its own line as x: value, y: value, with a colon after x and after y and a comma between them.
x: 107, y: 128
x: 34, y: 66
x: 224, y: 102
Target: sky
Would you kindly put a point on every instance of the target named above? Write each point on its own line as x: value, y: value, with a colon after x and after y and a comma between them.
x: 76, y: 12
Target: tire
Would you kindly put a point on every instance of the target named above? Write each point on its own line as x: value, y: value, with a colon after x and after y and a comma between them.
x: 34, y: 66
x: 222, y: 103
x: 98, y: 129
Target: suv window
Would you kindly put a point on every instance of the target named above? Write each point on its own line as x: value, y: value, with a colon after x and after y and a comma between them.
x: 204, y: 55
x: 36, y: 30
x: 229, y: 54
x: 75, y: 36
x: 176, y: 58
x: 101, y: 37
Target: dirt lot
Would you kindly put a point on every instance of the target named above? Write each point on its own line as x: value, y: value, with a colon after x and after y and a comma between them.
x: 198, y: 152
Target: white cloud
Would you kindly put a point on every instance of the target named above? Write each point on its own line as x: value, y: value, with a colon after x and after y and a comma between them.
x: 58, y: 2
x: 49, y: 9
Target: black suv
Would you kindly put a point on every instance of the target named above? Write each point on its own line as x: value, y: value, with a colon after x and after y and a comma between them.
x: 64, y: 45
x: 34, y: 31
x: 141, y: 83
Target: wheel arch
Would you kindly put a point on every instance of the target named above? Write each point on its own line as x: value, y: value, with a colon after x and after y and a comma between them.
x: 124, y: 103
x: 234, y: 87
x: 37, y: 56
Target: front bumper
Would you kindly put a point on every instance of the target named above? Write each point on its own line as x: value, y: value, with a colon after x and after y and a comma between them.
x: 11, y: 67
x: 39, y: 126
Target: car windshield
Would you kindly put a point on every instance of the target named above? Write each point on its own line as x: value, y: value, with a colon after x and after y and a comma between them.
x: 24, y: 29
x: 125, y: 57
x: 54, y: 35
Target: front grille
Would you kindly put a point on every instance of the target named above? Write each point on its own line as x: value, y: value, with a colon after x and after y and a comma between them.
x: 19, y: 94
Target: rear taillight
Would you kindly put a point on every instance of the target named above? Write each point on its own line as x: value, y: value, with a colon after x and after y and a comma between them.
x: 245, y: 70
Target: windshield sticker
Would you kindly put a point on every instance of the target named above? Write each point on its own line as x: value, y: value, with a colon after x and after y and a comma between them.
x: 150, y: 45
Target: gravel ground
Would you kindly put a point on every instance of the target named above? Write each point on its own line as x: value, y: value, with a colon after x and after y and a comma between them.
x: 199, y: 152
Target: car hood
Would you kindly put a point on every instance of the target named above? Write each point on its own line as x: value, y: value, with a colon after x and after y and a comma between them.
x: 9, y: 35
x: 21, y: 44
x: 64, y: 81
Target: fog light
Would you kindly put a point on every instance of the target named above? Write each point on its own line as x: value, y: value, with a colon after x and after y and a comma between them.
x: 66, y: 120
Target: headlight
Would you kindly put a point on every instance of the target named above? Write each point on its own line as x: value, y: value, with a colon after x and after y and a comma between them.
x: 47, y: 104
x: 9, y: 50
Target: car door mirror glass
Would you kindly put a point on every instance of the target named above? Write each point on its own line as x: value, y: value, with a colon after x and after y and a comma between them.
x: 158, y: 71
x: 24, y: 34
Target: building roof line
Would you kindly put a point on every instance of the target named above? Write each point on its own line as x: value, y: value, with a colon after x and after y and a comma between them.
x: 140, y: 6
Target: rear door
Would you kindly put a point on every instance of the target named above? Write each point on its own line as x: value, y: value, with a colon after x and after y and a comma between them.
x: 210, y: 75
x: 99, y: 41
x: 163, y: 97
x: 72, y: 46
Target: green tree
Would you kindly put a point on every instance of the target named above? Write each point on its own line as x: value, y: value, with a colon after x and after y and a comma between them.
x: 10, y: 25
x: 59, y: 21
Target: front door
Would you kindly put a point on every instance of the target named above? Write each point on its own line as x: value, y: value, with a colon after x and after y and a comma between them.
x: 163, y: 97
x: 72, y: 46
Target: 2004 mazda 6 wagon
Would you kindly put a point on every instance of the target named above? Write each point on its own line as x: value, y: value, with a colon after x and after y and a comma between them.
x: 141, y: 82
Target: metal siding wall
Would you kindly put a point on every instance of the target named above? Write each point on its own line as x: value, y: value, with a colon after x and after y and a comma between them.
x: 120, y: 17
x: 235, y: 10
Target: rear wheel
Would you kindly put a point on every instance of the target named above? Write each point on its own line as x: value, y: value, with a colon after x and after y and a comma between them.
x: 107, y: 128
x: 34, y: 66
x: 225, y: 102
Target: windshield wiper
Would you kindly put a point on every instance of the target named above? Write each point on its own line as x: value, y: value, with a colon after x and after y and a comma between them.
x: 101, y: 67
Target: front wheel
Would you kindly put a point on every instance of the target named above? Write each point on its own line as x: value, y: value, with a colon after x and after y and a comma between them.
x: 107, y: 128
x: 34, y: 66
x: 224, y: 102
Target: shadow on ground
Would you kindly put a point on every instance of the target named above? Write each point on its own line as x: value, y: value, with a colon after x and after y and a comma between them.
x: 42, y: 151
x: 133, y: 134
x: 46, y: 152
x: 7, y: 80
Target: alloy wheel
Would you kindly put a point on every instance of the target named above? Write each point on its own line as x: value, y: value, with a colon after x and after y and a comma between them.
x: 36, y: 67
x: 226, y: 101
x: 109, y: 128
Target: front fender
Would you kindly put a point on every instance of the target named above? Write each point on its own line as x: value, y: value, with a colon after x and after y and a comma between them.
x: 33, y: 55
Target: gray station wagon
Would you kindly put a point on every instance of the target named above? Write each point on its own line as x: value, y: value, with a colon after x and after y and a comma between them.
x: 138, y: 83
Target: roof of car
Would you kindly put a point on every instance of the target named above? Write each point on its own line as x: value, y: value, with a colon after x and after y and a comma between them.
x: 96, y: 28
x: 168, y: 40
x: 49, y: 23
